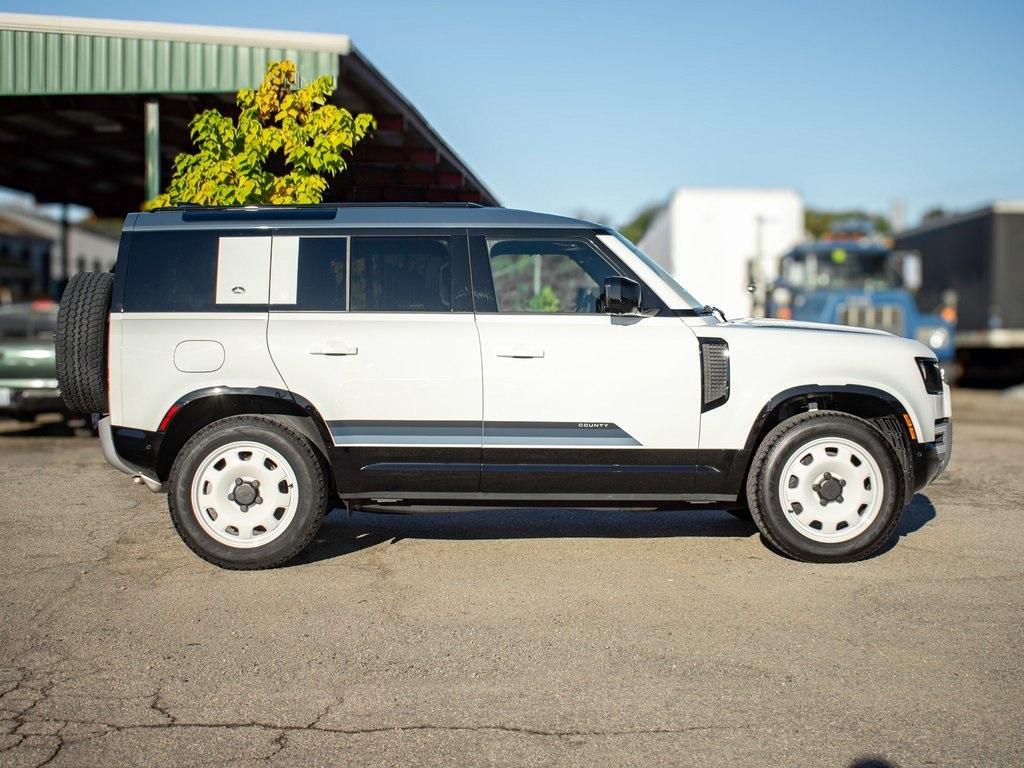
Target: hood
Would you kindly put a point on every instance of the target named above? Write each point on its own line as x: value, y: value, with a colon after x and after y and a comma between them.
x: 800, y: 325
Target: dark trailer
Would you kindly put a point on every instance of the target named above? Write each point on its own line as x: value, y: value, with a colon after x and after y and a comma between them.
x: 979, y: 256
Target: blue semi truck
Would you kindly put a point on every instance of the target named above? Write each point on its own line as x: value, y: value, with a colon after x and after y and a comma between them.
x: 853, y: 277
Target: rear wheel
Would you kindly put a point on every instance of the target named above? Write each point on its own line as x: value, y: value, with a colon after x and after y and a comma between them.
x: 825, y: 487
x: 247, y: 492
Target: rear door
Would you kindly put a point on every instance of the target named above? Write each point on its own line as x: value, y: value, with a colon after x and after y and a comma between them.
x: 376, y: 331
x: 579, y: 404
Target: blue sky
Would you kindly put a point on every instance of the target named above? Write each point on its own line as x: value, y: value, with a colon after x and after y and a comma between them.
x: 603, y: 107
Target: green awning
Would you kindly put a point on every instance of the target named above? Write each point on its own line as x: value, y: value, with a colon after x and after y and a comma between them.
x: 37, y: 63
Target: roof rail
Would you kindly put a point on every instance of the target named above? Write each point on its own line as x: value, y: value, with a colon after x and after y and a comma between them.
x: 192, y: 207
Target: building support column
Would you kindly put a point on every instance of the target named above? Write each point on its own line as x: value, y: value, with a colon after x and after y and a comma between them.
x: 152, y: 148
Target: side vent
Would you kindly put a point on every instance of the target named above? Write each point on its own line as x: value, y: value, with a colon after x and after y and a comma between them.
x: 714, y: 367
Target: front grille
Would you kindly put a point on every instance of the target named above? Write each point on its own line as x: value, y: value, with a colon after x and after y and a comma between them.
x: 714, y: 363
x: 883, y: 317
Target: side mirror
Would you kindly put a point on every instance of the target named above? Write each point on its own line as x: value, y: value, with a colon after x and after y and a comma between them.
x: 620, y: 296
x: 910, y: 270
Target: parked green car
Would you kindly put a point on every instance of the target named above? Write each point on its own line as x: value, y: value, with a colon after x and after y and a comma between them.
x: 28, y: 375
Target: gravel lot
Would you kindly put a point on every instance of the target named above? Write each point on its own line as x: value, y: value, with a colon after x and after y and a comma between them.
x: 511, y: 637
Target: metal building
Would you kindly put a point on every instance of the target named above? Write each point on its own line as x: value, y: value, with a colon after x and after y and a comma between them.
x: 32, y: 252
x: 93, y: 111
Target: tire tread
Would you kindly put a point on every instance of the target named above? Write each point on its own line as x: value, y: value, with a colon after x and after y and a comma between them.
x: 757, y: 468
x: 301, y: 442
x: 80, y: 342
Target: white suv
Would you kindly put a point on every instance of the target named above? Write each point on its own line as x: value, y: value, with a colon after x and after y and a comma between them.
x: 262, y: 365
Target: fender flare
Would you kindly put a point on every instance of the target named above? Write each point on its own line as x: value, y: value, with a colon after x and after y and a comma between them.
x: 287, y: 406
x: 890, y: 398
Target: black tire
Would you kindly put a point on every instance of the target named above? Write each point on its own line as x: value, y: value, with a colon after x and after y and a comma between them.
x: 311, y: 485
x: 763, y: 487
x: 81, y: 342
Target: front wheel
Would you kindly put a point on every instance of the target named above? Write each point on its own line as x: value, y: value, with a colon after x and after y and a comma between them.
x: 247, y: 492
x: 825, y: 487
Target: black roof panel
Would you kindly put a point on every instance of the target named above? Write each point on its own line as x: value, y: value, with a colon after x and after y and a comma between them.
x: 348, y: 215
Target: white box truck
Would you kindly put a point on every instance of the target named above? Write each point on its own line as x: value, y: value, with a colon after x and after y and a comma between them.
x: 717, y: 240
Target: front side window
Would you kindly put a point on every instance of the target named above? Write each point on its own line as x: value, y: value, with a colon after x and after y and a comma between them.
x: 400, y: 274
x: 547, y: 276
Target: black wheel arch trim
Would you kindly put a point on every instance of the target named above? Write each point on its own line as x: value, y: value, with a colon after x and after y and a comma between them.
x: 758, y: 428
x: 817, y: 389
x: 271, y: 401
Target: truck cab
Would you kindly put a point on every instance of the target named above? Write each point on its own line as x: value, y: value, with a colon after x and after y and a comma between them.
x: 860, y: 281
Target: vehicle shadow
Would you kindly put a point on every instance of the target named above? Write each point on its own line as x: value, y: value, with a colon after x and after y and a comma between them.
x: 872, y: 762
x: 344, y: 534
x: 916, y: 516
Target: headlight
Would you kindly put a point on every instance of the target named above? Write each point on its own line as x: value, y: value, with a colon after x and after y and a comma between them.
x: 931, y: 373
x: 935, y: 337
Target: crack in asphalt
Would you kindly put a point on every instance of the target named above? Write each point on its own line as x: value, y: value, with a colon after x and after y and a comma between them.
x: 56, y: 741
x: 286, y: 728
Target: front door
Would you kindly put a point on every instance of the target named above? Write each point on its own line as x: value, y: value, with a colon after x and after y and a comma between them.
x: 377, y: 333
x: 578, y: 404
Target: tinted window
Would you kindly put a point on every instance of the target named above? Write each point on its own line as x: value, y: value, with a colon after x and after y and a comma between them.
x: 547, y: 275
x: 171, y: 271
x: 400, y: 274
x: 321, y: 278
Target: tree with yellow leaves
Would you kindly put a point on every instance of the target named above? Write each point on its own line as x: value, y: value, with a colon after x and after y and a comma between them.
x: 233, y: 163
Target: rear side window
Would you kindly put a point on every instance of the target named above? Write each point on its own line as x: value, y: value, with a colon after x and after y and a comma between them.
x: 400, y: 274
x: 322, y: 283
x: 171, y: 271
x: 197, y: 271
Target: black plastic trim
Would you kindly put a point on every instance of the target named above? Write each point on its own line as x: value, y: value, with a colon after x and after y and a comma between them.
x: 926, y: 461
x: 816, y: 389
x: 706, y: 342
x: 124, y: 250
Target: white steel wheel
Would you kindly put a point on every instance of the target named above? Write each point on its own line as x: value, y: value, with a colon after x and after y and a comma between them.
x: 244, y: 494
x: 831, y: 489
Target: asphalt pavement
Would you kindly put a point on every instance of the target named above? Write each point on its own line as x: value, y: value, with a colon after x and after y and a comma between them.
x: 510, y: 637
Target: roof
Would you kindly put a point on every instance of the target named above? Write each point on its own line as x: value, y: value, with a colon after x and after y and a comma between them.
x: 158, y: 30
x: 999, y: 206
x: 72, y: 95
x: 732, y: 191
x: 819, y: 246
x: 71, y: 55
x: 319, y: 216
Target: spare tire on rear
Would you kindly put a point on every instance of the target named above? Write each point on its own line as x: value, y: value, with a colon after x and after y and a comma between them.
x: 82, y: 341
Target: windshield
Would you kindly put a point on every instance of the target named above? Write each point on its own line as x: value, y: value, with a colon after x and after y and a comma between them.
x: 840, y: 268
x: 21, y: 321
x: 660, y: 271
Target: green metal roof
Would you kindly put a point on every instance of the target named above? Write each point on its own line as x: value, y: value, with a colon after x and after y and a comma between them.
x: 76, y: 95
x: 63, y: 56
